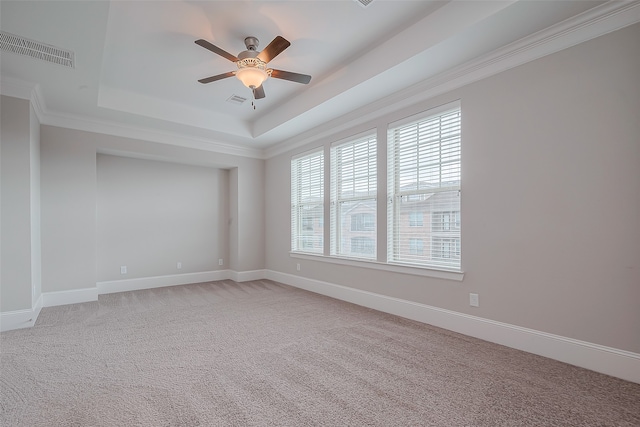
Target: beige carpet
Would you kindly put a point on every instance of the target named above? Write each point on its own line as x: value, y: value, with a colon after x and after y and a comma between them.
x: 261, y: 353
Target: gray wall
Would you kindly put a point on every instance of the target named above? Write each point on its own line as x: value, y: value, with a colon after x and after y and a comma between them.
x: 36, y: 237
x: 71, y: 223
x: 20, y: 205
x: 68, y: 174
x: 152, y: 215
x: 550, y: 198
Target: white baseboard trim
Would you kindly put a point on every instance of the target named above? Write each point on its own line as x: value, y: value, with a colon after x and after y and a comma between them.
x: 113, y: 286
x: 606, y: 360
x: 73, y: 296
x: 26, y: 318
x: 245, y: 276
x: 19, y: 319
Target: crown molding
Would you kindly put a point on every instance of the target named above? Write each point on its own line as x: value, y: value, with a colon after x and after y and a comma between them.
x: 596, y: 22
x: 24, y: 90
x: 30, y: 91
x: 147, y: 134
x: 16, y: 88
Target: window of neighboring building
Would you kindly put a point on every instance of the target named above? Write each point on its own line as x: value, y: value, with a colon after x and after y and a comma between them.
x: 353, y: 197
x: 363, y: 222
x: 307, y: 202
x: 446, y: 221
x: 416, y: 219
x: 307, y: 223
x: 445, y: 248
x: 415, y: 246
x: 363, y: 245
x: 424, y: 185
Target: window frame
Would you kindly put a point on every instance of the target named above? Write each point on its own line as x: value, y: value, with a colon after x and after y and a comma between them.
x: 433, y: 162
x: 300, y: 239
x: 383, y: 229
x: 351, y: 162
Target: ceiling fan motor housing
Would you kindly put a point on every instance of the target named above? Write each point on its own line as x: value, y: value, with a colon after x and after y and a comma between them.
x: 251, y: 43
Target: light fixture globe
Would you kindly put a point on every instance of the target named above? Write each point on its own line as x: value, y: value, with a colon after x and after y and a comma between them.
x: 252, y: 72
x: 251, y: 77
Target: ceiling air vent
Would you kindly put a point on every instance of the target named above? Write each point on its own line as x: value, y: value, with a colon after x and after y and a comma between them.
x: 365, y: 3
x: 22, y: 46
x: 235, y: 99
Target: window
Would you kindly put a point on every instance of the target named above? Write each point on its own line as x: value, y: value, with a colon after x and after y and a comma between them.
x: 415, y: 246
x: 363, y: 245
x: 424, y: 189
x: 445, y: 249
x: 363, y: 222
x: 353, y: 197
x: 307, y: 223
x: 307, y: 202
x: 446, y: 221
x: 416, y: 219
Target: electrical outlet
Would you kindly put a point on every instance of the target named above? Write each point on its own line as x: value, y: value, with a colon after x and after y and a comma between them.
x: 179, y: 265
x: 474, y: 300
x: 298, y: 266
x: 123, y: 269
x: 220, y: 261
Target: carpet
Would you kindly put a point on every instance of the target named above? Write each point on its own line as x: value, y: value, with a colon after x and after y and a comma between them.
x: 261, y: 353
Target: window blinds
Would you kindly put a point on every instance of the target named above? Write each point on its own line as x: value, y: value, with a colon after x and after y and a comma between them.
x: 424, y: 191
x: 307, y: 202
x: 353, y: 198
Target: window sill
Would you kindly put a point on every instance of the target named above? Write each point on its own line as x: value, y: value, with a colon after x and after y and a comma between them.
x: 457, y: 276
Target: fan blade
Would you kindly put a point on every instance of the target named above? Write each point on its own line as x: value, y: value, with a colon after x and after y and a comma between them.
x: 217, y: 77
x: 288, y: 75
x: 275, y: 48
x: 258, y: 93
x: 215, y: 49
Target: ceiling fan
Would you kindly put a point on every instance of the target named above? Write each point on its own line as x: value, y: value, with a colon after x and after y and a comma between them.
x: 252, y: 65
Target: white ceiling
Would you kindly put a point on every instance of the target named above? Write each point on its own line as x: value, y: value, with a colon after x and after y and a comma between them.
x: 137, y: 65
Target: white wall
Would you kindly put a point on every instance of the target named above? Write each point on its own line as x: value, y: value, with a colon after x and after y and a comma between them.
x: 550, y: 199
x: 152, y: 215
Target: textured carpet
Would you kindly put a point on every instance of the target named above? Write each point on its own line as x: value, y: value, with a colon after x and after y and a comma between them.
x: 261, y: 353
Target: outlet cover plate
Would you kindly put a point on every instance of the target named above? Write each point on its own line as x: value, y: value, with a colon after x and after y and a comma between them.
x: 474, y: 300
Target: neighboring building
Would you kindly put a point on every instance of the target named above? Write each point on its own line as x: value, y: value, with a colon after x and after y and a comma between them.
x: 428, y: 229
x: 358, y: 231
x: 313, y: 227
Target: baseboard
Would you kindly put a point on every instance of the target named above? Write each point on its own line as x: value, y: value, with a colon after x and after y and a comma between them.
x: 19, y: 319
x: 73, y: 296
x: 606, y: 360
x: 109, y: 287
x: 245, y: 276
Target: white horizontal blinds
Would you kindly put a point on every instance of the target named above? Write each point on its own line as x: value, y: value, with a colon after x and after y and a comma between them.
x: 424, y: 187
x: 353, y: 198
x: 307, y: 202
